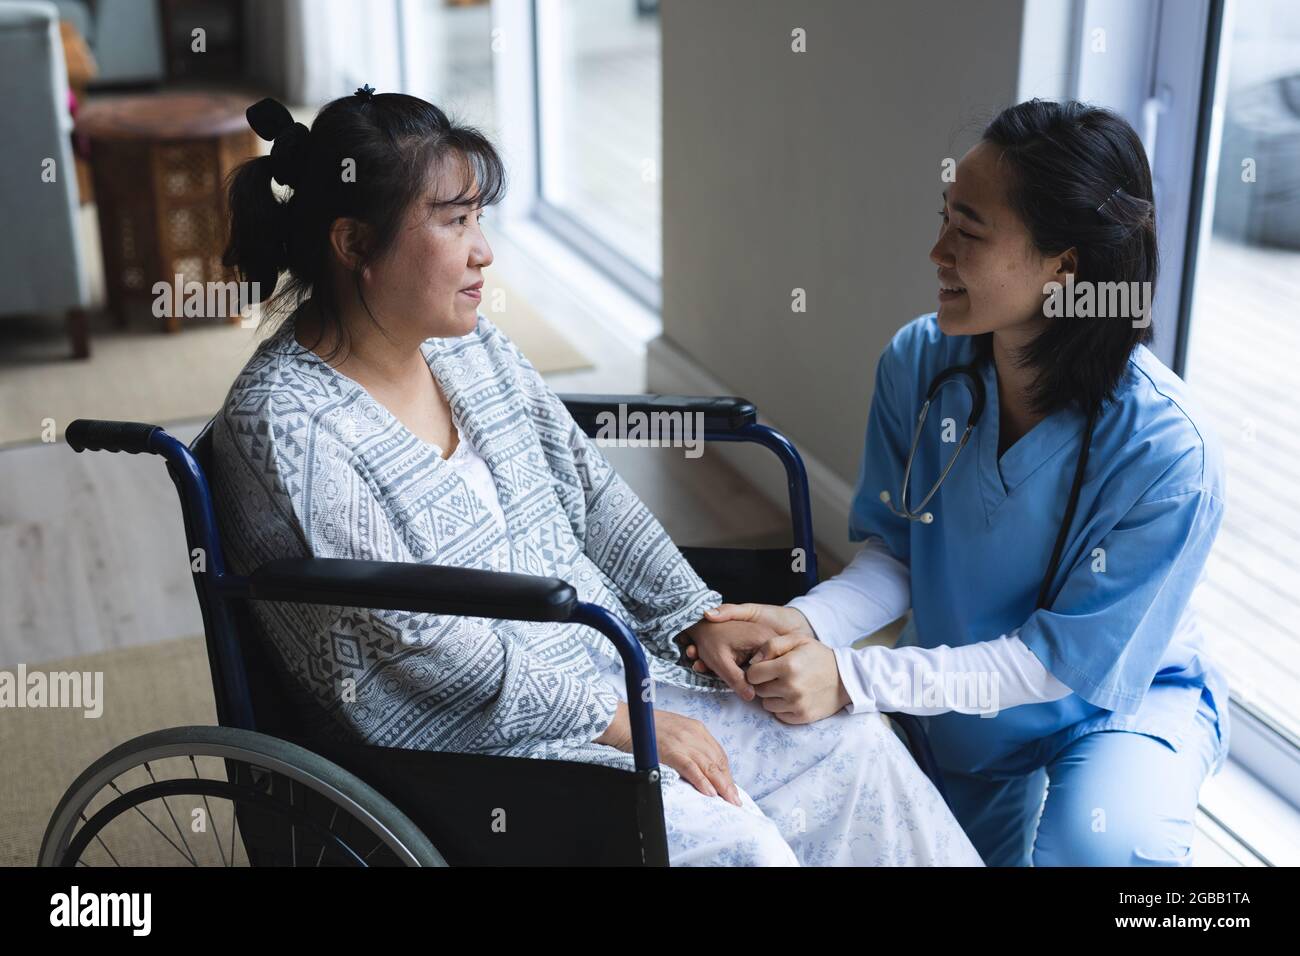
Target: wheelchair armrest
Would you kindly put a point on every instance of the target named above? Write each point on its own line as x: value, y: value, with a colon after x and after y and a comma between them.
x: 466, y: 592
x: 403, y: 586
x: 725, y: 413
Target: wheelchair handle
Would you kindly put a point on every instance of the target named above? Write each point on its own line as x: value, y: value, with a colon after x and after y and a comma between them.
x: 89, y: 434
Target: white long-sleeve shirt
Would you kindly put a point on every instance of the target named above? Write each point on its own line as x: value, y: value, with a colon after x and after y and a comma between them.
x: 980, y: 678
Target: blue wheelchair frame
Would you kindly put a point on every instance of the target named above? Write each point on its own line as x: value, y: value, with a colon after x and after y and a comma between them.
x: 463, y: 591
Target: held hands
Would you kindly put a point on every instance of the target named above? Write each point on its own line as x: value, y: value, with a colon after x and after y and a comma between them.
x: 789, y: 670
x: 795, y: 675
x: 782, y: 620
x: 722, y: 648
x: 729, y: 635
x: 798, y: 679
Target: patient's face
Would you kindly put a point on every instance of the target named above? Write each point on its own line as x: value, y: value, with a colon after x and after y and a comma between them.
x: 439, y: 251
x: 985, y: 247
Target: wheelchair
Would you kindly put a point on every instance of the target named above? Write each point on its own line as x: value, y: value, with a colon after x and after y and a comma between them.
x: 301, y: 797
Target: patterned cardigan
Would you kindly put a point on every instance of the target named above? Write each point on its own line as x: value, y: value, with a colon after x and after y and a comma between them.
x: 307, y: 463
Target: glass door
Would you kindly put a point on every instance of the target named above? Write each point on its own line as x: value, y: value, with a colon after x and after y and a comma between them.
x: 1241, y: 346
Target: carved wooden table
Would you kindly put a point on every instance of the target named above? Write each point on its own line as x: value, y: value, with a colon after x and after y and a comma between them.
x: 160, y: 164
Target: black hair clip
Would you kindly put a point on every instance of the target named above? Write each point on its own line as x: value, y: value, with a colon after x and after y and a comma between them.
x: 365, y: 92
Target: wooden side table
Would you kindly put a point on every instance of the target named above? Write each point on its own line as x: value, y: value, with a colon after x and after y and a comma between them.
x: 160, y: 164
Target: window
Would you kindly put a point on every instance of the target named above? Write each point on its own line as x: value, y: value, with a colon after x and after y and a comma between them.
x: 447, y: 58
x: 1213, y: 87
x: 1241, y: 344
x: 598, y: 133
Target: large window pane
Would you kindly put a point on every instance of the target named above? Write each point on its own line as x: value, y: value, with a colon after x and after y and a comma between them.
x: 1242, y: 355
x: 449, y: 58
x: 599, y: 130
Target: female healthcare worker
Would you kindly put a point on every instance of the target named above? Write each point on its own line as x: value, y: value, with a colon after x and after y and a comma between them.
x: 1052, y: 654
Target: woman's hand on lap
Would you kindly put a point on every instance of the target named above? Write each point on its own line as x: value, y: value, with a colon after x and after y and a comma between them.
x: 685, y: 745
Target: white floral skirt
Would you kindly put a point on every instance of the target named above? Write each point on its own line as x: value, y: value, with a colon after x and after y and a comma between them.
x: 844, y: 791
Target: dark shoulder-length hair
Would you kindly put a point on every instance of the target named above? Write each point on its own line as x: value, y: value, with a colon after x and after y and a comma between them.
x: 1079, y: 177
x: 367, y: 158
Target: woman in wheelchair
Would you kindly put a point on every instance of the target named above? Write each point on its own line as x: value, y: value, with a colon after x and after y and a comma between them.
x: 385, y: 418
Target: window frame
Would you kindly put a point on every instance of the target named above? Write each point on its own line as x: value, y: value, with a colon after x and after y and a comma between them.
x: 1174, y: 97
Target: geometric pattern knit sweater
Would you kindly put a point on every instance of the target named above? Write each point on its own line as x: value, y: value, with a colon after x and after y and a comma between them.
x: 308, y: 464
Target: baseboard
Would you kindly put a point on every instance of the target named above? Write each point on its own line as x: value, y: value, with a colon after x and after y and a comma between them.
x: 671, y: 371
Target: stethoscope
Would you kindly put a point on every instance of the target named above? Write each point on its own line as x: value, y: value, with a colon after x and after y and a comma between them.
x: 975, y: 384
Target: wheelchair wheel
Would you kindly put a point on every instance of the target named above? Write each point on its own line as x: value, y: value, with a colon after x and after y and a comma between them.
x: 179, y: 796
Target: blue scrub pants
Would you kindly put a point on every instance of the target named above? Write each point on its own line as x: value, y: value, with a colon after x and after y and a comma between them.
x: 1110, y: 798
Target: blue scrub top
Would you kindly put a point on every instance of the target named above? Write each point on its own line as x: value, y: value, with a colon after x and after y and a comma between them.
x: 1119, y: 632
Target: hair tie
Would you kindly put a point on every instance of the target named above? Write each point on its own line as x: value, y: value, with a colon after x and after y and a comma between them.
x: 274, y: 123
x: 365, y: 92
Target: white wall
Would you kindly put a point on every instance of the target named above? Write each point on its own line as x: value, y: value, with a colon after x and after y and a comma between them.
x: 818, y: 170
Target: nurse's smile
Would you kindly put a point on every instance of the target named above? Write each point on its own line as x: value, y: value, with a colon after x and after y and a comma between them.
x: 990, y: 275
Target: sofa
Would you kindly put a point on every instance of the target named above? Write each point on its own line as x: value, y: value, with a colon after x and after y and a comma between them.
x: 42, y: 268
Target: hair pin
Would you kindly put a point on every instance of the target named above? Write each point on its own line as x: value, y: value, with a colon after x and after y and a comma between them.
x: 1114, y: 193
